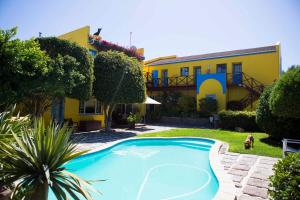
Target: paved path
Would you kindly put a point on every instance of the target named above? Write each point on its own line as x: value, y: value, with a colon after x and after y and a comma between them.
x: 94, y: 139
x: 249, y: 173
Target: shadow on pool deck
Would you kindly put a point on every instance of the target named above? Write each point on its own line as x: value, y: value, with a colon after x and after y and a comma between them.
x: 100, y: 137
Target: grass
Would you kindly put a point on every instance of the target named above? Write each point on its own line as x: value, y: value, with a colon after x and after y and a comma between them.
x: 262, y: 144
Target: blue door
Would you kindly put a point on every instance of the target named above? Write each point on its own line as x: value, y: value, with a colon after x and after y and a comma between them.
x: 164, y: 75
x: 237, y: 74
x: 155, y: 78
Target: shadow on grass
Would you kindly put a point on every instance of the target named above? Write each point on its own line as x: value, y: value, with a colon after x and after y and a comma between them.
x: 271, y: 141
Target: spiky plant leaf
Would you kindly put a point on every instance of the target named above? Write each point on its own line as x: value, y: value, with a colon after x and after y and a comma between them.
x: 36, y: 162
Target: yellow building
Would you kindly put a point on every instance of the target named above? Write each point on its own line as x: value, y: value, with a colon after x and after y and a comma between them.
x: 87, y: 114
x: 233, y: 77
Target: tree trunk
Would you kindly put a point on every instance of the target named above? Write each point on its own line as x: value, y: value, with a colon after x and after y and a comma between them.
x: 108, y: 110
x: 41, y: 192
x: 37, y: 105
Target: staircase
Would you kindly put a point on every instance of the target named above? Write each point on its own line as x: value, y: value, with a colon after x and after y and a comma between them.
x: 253, y: 86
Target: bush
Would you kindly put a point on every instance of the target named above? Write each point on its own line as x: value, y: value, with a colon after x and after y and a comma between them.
x: 285, y: 182
x: 187, y: 105
x: 277, y: 127
x: 242, y: 119
x: 154, y: 116
x: 234, y: 105
x: 208, y: 105
x: 285, y: 96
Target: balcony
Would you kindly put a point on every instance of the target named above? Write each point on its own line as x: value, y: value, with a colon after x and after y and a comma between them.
x: 170, y: 83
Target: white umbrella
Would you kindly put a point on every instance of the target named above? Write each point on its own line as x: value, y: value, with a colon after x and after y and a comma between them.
x: 151, y: 101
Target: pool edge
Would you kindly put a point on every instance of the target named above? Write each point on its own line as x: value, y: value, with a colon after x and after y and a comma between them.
x: 226, y: 190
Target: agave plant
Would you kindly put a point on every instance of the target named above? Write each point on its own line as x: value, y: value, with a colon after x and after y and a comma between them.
x: 35, y: 163
x: 10, y: 124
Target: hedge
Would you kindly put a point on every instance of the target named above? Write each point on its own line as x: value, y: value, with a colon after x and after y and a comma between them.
x: 231, y: 120
x: 275, y: 126
x: 285, y: 183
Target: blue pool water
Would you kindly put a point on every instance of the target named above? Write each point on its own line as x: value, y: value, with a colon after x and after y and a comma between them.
x: 150, y: 169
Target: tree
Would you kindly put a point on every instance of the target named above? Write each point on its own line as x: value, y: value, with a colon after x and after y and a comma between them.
x: 73, y: 65
x: 36, y: 78
x: 285, y: 96
x: 119, y: 79
x: 277, y: 127
x: 36, y: 162
x: 22, y: 64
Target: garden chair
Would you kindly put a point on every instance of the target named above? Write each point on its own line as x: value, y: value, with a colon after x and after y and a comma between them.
x: 294, y: 146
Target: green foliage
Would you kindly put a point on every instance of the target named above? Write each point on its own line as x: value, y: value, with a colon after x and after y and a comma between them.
x: 286, y: 180
x: 169, y: 103
x: 208, y: 105
x: 285, y: 96
x: 24, y: 68
x: 277, y: 127
x: 132, y: 118
x: 36, y: 161
x: 154, y: 116
x: 187, y: 104
x: 119, y: 79
x: 243, y: 119
x: 72, y: 72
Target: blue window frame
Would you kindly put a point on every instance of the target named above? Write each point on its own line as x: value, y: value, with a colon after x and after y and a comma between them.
x: 184, y: 71
x: 221, y: 68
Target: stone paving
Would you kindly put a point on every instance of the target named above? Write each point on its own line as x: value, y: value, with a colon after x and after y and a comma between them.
x: 94, y: 139
x: 249, y: 173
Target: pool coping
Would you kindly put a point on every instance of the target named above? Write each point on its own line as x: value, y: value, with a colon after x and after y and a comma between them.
x: 226, y: 189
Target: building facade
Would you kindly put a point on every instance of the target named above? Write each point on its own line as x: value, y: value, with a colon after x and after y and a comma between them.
x: 232, y: 77
x: 87, y: 114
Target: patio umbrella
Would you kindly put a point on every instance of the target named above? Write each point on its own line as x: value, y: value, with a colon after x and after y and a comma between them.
x: 150, y: 101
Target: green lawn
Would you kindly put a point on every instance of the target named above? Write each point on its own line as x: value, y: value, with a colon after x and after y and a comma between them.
x: 262, y: 144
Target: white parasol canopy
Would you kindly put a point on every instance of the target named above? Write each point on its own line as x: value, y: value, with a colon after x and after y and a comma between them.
x: 151, y: 101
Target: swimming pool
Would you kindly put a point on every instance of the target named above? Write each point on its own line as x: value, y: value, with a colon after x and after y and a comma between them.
x: 150, y: 169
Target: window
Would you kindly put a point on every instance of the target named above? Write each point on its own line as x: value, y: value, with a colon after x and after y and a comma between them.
x: 236, y: 67
x: 93, y: 52
x: 221, y: 68
x: 184, y: 71
x: 90, y: 107
x: 197, y: 70
x: 213, y: 96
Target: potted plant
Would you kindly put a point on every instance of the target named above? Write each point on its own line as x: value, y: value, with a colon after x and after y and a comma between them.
x: 131, y: 119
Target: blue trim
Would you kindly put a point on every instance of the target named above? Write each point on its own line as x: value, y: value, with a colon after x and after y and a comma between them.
x: 155, y: 78
x: 211, y: 58
x: 221, y: 77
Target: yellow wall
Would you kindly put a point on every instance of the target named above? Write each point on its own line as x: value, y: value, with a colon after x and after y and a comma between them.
x: 263, y: 67
x: 79, y: 36
x: 72, y: 111
x: 212, y: 86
